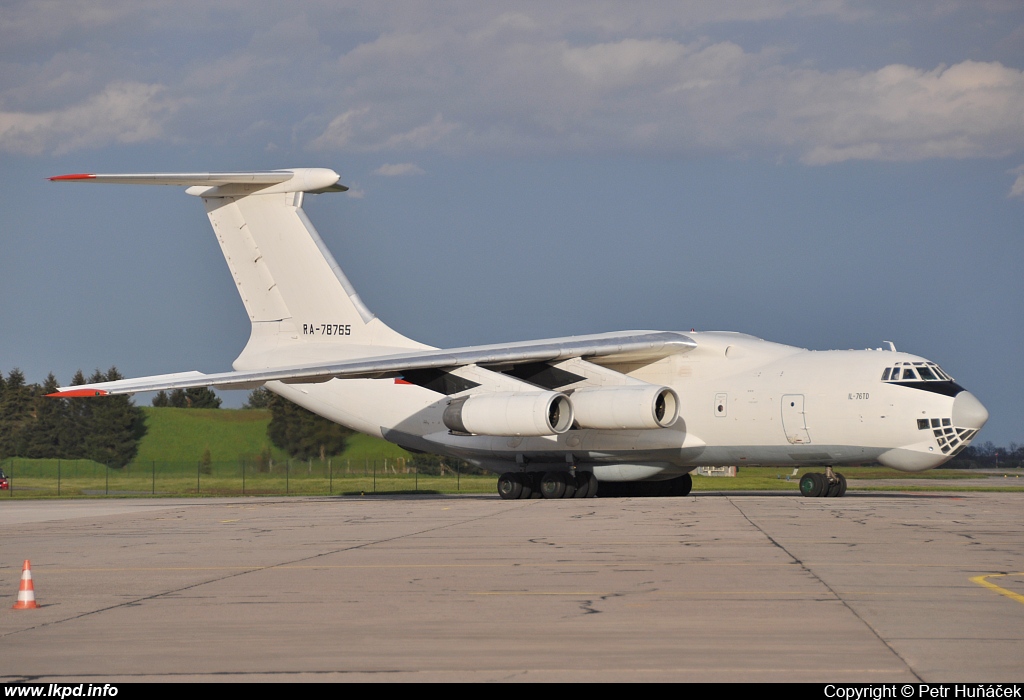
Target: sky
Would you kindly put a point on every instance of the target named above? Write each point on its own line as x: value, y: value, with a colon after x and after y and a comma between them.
x: 829, y: 174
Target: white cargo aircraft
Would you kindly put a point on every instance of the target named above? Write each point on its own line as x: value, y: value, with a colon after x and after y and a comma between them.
x: 633, y: 411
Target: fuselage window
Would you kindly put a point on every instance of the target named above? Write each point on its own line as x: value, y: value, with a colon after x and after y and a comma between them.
x: 885, y: 374
x: 926, y: 374
x: 908, y: 374
x: 896, y: 374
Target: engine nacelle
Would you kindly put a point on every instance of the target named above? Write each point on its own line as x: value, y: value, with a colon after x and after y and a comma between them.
x: 525, y: 414
x: 626, y: 407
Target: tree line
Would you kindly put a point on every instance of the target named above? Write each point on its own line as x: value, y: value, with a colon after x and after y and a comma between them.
x: 108, y: 430
x: 988, y: 456
x: 36, y: 426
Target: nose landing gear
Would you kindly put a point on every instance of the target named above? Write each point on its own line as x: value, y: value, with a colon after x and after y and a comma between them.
x: 829, y: 484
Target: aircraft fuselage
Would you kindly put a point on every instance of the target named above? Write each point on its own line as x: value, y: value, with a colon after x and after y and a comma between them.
x: 742, y: 401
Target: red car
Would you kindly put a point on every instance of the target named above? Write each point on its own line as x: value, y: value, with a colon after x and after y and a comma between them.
x: 4, y: 484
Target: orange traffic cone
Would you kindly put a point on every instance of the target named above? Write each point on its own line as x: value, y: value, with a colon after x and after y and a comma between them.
x: 26, y: 592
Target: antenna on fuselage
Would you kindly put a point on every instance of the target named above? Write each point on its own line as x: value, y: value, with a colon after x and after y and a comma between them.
x: 892, y: 345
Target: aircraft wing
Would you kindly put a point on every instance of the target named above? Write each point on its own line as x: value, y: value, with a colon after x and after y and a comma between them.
x: 638, y: 346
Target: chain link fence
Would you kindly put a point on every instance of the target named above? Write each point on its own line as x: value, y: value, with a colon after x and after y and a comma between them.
x: 248, y: 476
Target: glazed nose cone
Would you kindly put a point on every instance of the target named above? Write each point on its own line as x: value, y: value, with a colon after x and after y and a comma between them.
x: 968, y: 411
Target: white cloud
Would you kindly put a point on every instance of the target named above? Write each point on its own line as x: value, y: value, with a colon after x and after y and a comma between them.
x: 1017, y: 189
x: 599, y: 77
x: 902, y: 113
x: 527, y: 90
x: 398, y: 169
x: 340, y: 131
x: 121, y: 113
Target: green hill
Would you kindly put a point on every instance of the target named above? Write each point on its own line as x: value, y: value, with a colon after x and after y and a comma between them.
x: 184, y: 434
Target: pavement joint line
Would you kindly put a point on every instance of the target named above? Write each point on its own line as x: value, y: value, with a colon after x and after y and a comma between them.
x: 829, y: 588
x: 982, y: 581
x: 201, y: 675
x: 136, y: 601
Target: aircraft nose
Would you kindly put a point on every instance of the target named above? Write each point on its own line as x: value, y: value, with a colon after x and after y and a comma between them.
x: 968, y: 412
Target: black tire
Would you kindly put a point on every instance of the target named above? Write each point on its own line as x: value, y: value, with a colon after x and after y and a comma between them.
x: 509, y: 486
x: 586, y: 485
x: 809, y: 486
x: 831, y: 488
x: 823, y: 485
x: 582, y: 485
x: 842, y: 485
x: 570, y: 485
x: 527, y: 481
x: 682, y: 485
x: 533, y: 478
x: 552, y: 485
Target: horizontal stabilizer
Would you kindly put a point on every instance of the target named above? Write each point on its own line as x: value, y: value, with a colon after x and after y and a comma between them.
x: 622, y: 347
x: 225, y: 184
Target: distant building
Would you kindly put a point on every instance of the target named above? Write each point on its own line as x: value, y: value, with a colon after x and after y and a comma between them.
x: 717, y: 471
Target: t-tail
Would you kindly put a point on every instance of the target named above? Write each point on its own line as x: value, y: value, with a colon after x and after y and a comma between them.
x: 302, y: 306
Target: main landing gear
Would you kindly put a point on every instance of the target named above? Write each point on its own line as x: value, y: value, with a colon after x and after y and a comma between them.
x: 512, y: 485
x: 831, y: 484
x: 582, y: 484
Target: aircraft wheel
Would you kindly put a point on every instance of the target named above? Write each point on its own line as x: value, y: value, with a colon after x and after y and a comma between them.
x: 842, y: 485
x: 509, y: 486
x: 825, y: 485
x: 682, y: 485
x: 552, y: 485
x: 533, y: 479
x: 526, y: 479
x: 831, y: 489
x: 649, y: 489
x: 586, y: 485
x: 809, y: 485
x: 570, y: 486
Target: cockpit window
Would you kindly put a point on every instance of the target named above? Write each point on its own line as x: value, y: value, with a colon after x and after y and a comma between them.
x: 915, y: 371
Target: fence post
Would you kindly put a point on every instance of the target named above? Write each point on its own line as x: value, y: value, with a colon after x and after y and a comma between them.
x: 58, y: 478
x: 417, y: 473
x: 199, y: 464
x: 106, y: 473
x: 287, y: 476
x: 330, y: 471
x: 154, y: 477
x: 243, y: 476
x: 375, y: 476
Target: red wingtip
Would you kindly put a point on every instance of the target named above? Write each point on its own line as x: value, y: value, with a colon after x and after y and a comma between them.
x: 78, y: 393
x: 77, y: 176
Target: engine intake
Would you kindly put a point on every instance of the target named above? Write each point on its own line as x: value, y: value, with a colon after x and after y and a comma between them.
x: 513, y: 414
x: 626, y: 407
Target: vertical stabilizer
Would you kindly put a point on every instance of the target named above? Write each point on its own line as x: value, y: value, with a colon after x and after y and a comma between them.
x: 301, y: 305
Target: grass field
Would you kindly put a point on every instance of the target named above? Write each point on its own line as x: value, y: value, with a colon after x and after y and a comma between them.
x: 182, y: 435
x: 64, y: 479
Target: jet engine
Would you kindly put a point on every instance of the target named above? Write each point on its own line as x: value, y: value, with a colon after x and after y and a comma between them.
x: 625, y: 407
x: 511, y: 413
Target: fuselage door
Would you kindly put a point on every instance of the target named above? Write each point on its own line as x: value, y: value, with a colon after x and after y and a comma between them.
x: 794, y: 420
x: 721, y: 405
